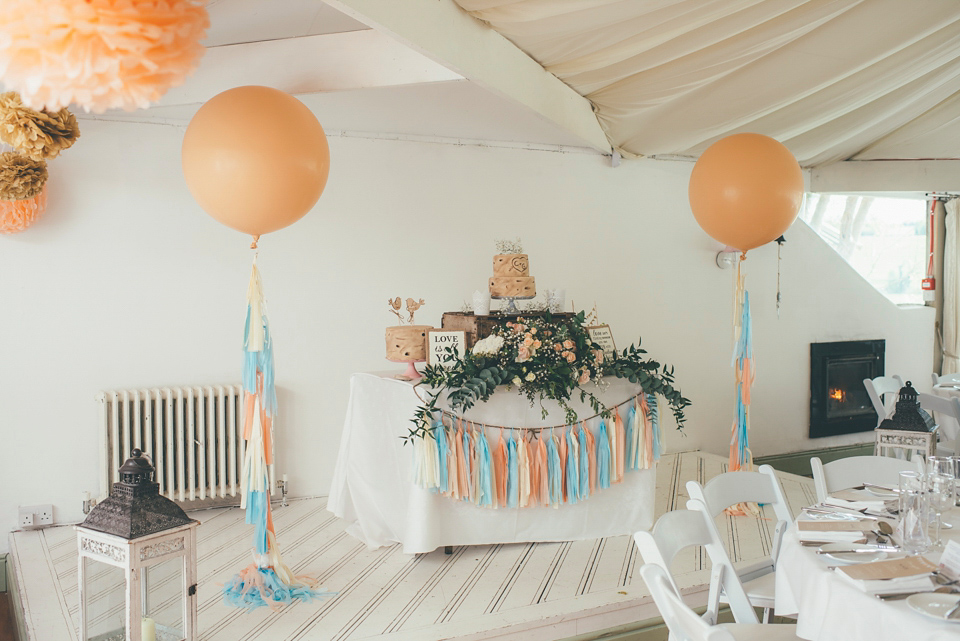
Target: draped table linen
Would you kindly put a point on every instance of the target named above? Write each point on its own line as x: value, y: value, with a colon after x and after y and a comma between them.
x: 373, y: 486
x: 830, y: 609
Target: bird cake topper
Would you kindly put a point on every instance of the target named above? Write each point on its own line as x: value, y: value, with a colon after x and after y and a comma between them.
x: 412, y: 307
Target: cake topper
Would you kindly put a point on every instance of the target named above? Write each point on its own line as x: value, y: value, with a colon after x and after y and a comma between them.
x: 510, y: 246
x: 412, y: 307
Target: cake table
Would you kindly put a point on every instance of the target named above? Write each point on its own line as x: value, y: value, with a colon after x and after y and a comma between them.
x: 373, y: 489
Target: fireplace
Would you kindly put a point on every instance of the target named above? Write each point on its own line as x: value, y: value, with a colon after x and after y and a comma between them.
x: 839, y: 403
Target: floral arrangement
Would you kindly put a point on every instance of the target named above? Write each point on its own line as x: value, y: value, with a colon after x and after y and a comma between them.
x: 509, y: 246
x: 543, y: 359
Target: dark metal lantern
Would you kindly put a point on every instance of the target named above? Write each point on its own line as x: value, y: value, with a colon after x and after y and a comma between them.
x: 135, y: 507
x: 908, y: 415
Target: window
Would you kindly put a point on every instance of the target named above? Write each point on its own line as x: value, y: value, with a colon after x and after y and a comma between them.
x: 884, y: 239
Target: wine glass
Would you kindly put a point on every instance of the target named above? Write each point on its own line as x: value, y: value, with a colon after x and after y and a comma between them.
x: 912, y: 524
x: 940, y: 495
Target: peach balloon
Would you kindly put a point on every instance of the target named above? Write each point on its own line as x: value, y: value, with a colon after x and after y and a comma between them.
x: 255, y: 159
x: 746, y: 190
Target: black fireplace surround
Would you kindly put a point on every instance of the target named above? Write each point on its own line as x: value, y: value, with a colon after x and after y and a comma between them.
x: 839, y: 403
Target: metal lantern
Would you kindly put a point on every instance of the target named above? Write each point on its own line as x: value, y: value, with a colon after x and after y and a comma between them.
x: 908, y: 416
x: 138, y: 563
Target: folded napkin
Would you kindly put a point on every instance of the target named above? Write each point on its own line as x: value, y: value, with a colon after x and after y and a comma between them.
x: 850, y: 500
x: 833, y: 531
x: 916, y: 583
x: 833, y: 537
x: 910, y: 574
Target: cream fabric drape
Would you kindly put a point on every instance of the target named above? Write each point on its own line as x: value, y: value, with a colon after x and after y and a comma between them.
x: 829, y: 78
x: 951, y: 290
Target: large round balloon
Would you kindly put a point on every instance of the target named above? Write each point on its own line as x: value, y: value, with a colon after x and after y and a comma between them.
x: 255, y: 158
x: 746, y: 190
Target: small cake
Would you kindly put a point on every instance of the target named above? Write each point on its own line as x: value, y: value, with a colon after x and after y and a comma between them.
x: 407, y: 343
x: 511, y: 277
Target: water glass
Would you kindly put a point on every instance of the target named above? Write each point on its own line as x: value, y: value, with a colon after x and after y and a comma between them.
x: 941, y: 490
x: 912, y: 528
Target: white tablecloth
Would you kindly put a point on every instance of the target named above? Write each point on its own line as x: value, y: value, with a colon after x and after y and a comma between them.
x: 373, y: 490
x: 829, y: 609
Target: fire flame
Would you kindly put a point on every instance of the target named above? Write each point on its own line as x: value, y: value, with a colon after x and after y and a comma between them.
x: 838, y: 395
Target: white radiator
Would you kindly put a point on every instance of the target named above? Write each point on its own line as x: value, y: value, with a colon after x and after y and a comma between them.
x: 193, y: 434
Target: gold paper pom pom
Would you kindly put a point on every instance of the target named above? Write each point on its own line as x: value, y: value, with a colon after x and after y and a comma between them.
x: 37, y: 134
x: 21, y: 177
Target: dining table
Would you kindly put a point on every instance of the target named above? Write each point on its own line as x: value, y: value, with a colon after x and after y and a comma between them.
x: 829, y: 608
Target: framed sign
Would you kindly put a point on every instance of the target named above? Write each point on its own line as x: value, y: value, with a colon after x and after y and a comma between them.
x: 602, y: 336
x: 439, y: 340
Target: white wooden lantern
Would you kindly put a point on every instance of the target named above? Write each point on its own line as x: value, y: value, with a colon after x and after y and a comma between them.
x: 138, y: 563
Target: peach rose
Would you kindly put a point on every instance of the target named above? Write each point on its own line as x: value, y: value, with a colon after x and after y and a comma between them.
x: 533, y: 330
x: 522, y: 354
x: 528, y: 341
x: 568, y: 344
x: 536, y: 344
x: 570, y: 357
x: 584, y: 376
x: 599, y: 357
x: 557, y: 347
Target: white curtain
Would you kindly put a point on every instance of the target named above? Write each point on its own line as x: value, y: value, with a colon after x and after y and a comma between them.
x: 828, y: 78
x: 951, y: 290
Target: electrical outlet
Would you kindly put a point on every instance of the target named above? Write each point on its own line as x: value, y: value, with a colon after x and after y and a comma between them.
x: 35, y: 516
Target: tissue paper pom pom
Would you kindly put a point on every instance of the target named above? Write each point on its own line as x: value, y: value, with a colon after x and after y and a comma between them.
x: 37, y: 134
x: 17, y: 215
x: 21, y: 177
x: 99, y: 54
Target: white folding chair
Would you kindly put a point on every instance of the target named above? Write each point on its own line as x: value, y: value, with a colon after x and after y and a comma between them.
x: 680, y: 529
x: 946, y: 378
x: 761, y: 486
x: 948, y: 410
x: 878, y: 389
x: 855, y: 470
x: 685, y: 625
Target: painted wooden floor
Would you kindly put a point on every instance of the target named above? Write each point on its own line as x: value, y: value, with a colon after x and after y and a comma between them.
x: 529, y: 591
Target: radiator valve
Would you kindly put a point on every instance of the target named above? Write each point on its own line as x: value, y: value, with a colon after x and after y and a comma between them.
x: 282, y: 486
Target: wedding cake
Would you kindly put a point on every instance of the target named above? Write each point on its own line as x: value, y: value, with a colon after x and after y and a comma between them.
x: 407, y: 343
x: 511, y: 277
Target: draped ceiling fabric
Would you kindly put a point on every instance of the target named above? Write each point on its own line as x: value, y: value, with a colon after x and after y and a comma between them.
x: 831, y: 79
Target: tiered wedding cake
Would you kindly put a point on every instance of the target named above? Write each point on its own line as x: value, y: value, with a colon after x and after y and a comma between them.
x: 511, y: 277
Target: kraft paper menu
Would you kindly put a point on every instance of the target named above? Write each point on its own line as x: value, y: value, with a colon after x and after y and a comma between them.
x: 892, y: 569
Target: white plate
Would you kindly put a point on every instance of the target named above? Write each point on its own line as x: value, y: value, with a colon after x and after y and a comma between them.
x: 933, y: 604
x: 836, y: 551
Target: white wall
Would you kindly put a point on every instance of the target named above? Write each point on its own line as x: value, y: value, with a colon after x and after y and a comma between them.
x: 126, y: 282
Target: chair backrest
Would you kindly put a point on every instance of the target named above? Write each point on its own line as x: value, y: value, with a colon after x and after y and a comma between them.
x: 680, y: 529
x: 948, y: 406
x: 731, y: 488
x: 877, y: 388
x: 946, y: 378
x: 683, y: 623
x: 854, y: 470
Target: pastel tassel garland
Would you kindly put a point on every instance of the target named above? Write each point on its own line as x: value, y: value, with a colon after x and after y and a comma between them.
x: 484, y: 465
x: 631, y: 450
x: 268, y: 581
x: 443, y: 450
x: 621, y: 445
x: 543, y: 465
x: 742, y: 361
x: 654, y: 402
x: 500, y: 469
x: 523, y: 475
x: 554, y: 472
x: 562, y: 453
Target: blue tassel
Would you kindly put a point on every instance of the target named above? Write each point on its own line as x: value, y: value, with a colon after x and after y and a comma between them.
x: 485, y: 472
x: 629, y: 453
x: 603, y: 457
x: 573, y: 480
x: 513, y: 471
x: 584, y: 465
x: 554, y: 473
x: 440, y: 434
x: 257, y: 516
x: 465, y: 491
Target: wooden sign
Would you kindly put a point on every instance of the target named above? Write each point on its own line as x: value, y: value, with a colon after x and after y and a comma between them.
x: 439, y: 340
x: 602, y: 336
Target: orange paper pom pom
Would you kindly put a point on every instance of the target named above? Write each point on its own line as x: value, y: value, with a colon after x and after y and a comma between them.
x: 98, y: 54
x: 17, y: 215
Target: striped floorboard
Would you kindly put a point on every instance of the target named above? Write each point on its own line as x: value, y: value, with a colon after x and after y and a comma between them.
x: 522, y: 590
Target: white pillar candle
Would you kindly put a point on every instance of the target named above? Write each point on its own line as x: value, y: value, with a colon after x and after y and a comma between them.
x: 481, y: 303
x: 148, y: 629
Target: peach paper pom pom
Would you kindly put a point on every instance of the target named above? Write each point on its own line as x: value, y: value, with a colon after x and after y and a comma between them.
x: 17, y: 215
x: 98, y: 54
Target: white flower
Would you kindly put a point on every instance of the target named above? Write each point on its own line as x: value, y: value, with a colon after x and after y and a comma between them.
x: 488, y: 346
x: 531, y: 376
x: 517, y: 381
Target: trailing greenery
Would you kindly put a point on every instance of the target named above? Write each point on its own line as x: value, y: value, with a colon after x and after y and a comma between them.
x: 544, y: 359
